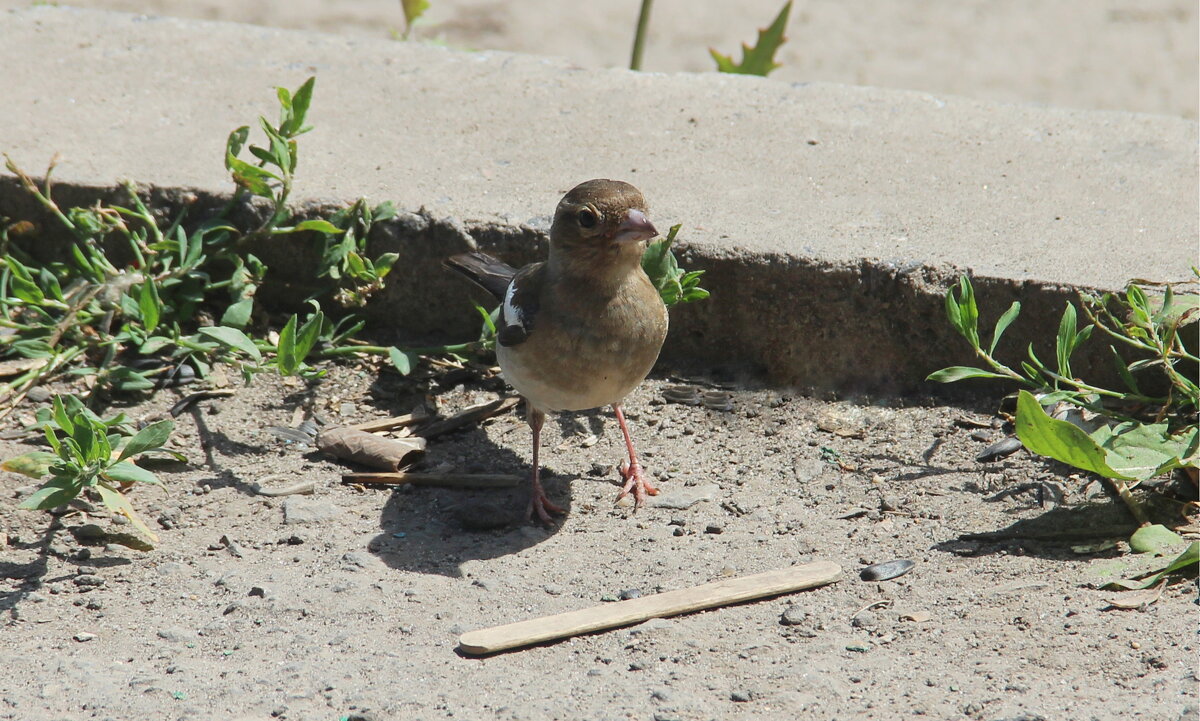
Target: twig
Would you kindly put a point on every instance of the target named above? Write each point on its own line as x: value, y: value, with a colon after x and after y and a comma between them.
x: 390, y: 424
x: 869, y: 606
x: 187, y: 401
x: 304, y: 487
x: 474, y: 414
x: 452, y: 480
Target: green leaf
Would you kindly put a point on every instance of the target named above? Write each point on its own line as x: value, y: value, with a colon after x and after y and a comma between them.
x: 34, y: 464
x: 52, y: 494
x: 233, y: 146
x: 149, y: 305
x: 320, y: 226
x: 1001, y: 325
x: 1189, y: 557
x: 384, y: 263
x: 1156, y: 539
x: 232, y: 338
x: 760, y: 59
x: 285, y: 352
x: 60, y: 415
x: 1059, y: 440
x: 1143, y: 450
x: 130, y: 472
x: 301, y: 99
x: 118, y: 503
x: 238, y: 314
x: 402, y: 361
x: 152, y: 436
x: 250, y: 177
x: 958, y: 373
x: 413, y: 9
x: 308, y: 335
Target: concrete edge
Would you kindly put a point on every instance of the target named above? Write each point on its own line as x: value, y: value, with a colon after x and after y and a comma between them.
x: 864, y: 329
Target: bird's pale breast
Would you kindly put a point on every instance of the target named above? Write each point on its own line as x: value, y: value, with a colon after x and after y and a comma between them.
x: 586, y: 353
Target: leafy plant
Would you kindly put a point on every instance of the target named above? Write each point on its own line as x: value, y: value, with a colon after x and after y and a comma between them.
x: 674, y: 284
x: 760, y: 59
x: 413, y: 9
x: 90, y: 455
x: 1123, y: 435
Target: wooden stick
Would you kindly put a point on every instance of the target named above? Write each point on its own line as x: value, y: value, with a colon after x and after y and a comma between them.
x: 671, y: 603
x: 474, y: 414
x: 453, y: 480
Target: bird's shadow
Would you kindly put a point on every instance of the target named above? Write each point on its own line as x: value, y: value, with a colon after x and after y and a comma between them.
x: 430, y: 529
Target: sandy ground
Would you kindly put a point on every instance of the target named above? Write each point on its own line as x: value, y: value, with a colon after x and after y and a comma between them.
x: 347, y: 604
x: 1099, y: 54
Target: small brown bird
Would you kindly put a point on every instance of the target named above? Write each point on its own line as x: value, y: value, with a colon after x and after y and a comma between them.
x: 582, y: 329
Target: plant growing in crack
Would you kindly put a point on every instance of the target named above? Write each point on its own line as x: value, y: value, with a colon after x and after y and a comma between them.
x: 1124, y: 435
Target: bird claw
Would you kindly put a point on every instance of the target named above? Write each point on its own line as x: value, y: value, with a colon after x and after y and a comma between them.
x: 541, y: 504
x: 635, y: 482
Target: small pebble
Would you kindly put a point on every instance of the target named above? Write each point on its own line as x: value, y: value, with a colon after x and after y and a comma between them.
x: 630, y: 593
x: 887, y: 570
x: 714, y: 528
x: 740, y: 696
x: 84, y: 636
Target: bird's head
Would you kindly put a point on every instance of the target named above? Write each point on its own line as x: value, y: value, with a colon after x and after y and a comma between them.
x: 601, y: 221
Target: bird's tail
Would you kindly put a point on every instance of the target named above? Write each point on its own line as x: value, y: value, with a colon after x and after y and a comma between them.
x: 485, y: 271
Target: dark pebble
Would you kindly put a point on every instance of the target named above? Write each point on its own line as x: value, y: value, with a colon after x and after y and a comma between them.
x: 1002, y: 448
x: 714, y: 528
x: 740, y: 696
x: 886, y: 571
x: 630, y: 593
x: 88, y: 579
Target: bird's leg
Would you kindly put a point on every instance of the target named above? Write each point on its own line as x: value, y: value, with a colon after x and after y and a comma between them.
x: 538, y: 503
x: 631, y: 470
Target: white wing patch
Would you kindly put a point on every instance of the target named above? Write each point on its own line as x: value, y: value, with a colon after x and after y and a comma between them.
x: 511, y: 313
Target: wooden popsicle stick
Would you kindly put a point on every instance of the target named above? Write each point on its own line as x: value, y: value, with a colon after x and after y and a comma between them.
x: 671, y: 603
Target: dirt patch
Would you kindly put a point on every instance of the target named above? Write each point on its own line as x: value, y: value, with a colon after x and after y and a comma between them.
x: 348, y: 603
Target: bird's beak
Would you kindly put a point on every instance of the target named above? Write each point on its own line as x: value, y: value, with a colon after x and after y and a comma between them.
x: 635, y: 227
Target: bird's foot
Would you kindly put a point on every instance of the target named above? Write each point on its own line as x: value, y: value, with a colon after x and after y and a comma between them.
x: 635, y: 483
x: 541, y: 504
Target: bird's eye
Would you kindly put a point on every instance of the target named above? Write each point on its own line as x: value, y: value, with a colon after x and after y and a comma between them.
x: 587, y: 219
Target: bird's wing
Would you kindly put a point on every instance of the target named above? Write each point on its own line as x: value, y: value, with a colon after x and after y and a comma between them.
x: 522, y: 300
x: 483, y: 270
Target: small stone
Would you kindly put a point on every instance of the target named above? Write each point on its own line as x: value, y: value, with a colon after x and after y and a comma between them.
x: 630, y: 593
x: 887, y: 570
x: 84, y: 636
x: 866, y: 619
x: 714, y: 528
x: 794, y: 615
x: 89, y: 533
x: 553, y: 589
x: 38, y: 394
x: 88, y: 580
x: 259, y: 591
x: 293, y: 540
x: 740, y: 696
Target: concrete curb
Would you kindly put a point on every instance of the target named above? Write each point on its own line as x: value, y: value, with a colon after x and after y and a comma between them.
x: 829, y: 218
